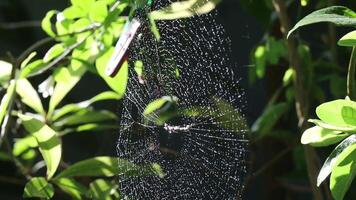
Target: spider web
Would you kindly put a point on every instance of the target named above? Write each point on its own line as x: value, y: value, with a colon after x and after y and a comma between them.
x: 203, y: 155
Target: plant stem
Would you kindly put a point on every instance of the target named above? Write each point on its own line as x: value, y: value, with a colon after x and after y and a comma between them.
x: 351, y: 75
x: 301, y: 100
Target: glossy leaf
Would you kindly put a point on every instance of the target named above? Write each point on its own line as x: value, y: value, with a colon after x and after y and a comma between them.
x: 333, y: 157
x: 38, y: 187
x: 338, y: 113
x: 317, y: 136
x: 29, y: 96
x: 337, y: 15
x: 48, y: 142
x: 348, y: 40
x: 343, y: 172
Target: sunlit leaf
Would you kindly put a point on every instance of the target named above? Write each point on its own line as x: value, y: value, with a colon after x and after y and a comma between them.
x: 5, y: 72
x: 53, y: 52
x: 66, y: 79
x: 117, y: 83
x: 337, y: 15
x: 108, y: 95
x: 184, y: 9
x: 71, y: 187
x: 28, y: 59
x: 161, y: 110
x: 322, y: 124
x: 98, y: 11
x: 74, y: 12
x: 24, y: 147
x: 343, y: 172
x: 29, y: 96
x: 333, y: 157
x: 338, y: 113
x: 32, y: 67
x: 317, y: 136
x: 348, y: 40
x: 38, y: 187
x: 86, y: 116
x: 108, y: 167
x: 6, y: 99
x: 100, y: 189
x: 46, y: 23
x: 48, y: 142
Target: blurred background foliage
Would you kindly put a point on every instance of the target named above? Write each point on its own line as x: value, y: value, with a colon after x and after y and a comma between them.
x: 278, y: 165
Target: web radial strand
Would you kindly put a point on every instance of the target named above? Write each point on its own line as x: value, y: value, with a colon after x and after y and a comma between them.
x: 202, y: 156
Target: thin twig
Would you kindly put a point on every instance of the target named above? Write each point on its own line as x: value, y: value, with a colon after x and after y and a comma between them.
x: 19, y: 25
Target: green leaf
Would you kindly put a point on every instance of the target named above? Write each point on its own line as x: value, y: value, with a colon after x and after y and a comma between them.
x: 338, y: 113
x: 117, y: 83
x: 46, y: 23
x: 74, y: 12
x: 347, y: 129
x: 48, y: 142
x: 264, y: 124
x: 98, y: 166
x: 32, y: 68
x: 100, y: 189
x: 5, y: 72
x: 98, y: 11
x: 318, y: 137
x: 70, y: 108
x: 184, y: 9
x: 6, y: 99
x: 86, y: 116
x: 71, y: 187
x: 24, y: 147
x: 96, y: 127
x: 28, y: 59
x: 337, y: 15
x: 260, y: 60
x: 53, y: 52
x: 161, y: 110
x: 348, y: 40
x: 29, y: 96
x: 343, y: 172
x: 333, y: 157
x: 66, y: 79
x: 288, y: 76
x: 108, y: 167
x: 38, y: 187
x: 84, y: 4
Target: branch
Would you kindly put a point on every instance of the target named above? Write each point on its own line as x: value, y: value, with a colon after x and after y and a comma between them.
x: 300, y: 95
